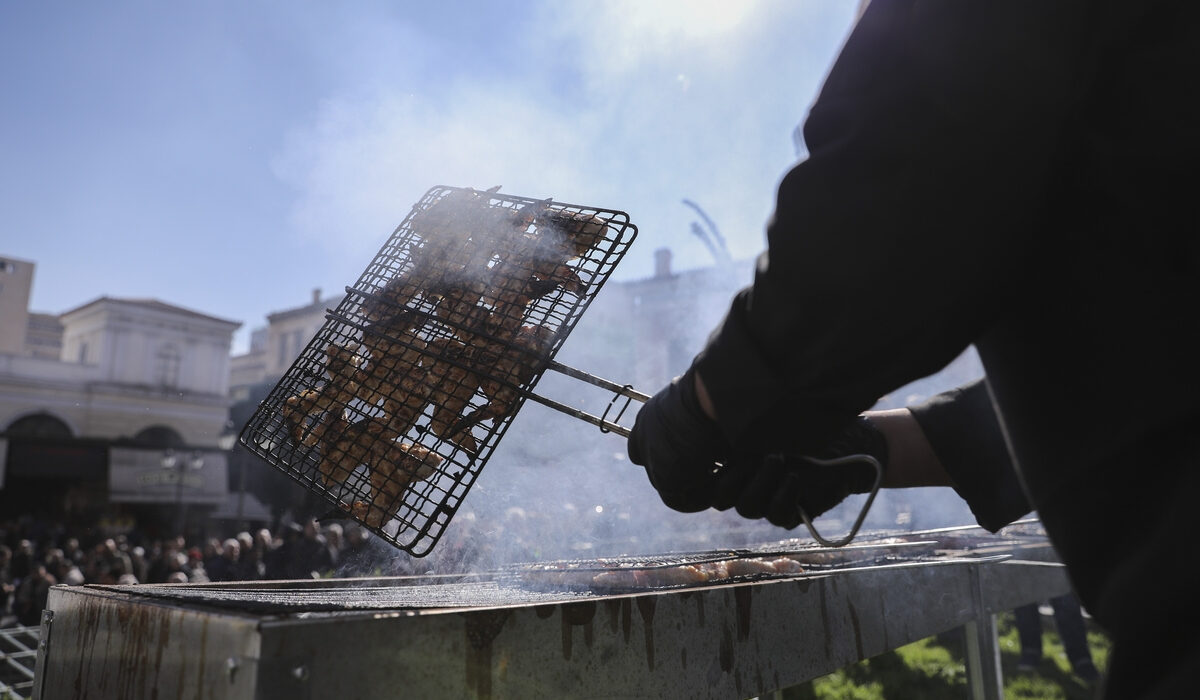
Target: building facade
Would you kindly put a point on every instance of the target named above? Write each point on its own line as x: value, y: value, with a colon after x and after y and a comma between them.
x: 275, y: 346
x: 127, y: 422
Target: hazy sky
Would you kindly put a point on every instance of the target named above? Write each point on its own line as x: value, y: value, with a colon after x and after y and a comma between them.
x: 229, y: 157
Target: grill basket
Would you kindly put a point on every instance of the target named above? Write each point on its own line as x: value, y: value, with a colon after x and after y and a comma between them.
x: 393, y: 408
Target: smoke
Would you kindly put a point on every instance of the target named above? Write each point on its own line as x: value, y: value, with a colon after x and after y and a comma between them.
x: 623, y: 105
x: 558, y: 488
x: 619, y: 105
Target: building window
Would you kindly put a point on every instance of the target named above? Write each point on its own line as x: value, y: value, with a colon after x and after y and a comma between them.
x: 83, y: 353
x: 168, y: 365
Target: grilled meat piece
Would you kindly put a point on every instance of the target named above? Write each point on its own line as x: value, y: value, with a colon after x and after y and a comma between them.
x: 348, y: 445
x: 396, y: 465
x: 452, y: 387
x: 304, y: 411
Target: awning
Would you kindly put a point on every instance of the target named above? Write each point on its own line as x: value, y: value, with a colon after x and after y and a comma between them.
x: 158, y: 476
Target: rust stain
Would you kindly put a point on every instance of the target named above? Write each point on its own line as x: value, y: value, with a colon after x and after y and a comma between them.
x: 85, y: 641
x: 700, y: 608
x: 203, y: 656
x: 182, y: 683
x: 743, y: 596
x: 626, y: 618
x: 646, y: 605
x: 164, y: 636
x: 479, y: 670
x: 544, y: 611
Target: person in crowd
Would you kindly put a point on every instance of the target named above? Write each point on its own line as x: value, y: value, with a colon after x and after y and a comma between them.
x: 225, y: 566
x: 194, y: 566
x: 31, y: 595
x: 333, y: 540
x: 137, y: 559
x: 23, y: 559
x: 211, y: 553
x: 249, y: 564
x: 1012, y: 176
x: 1072, y: 630
x: 72, y: 551
x: 283, y: 561
x: 312, y: 552
x: 7, y: 585
x: 358, y: 558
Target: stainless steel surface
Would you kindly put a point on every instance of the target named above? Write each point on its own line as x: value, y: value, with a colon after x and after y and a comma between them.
x: 718, y: 641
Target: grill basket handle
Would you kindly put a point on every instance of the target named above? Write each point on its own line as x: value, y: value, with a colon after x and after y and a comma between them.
x: 624, y: 393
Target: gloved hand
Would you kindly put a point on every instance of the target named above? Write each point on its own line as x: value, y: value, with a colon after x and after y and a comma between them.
x: 780, y: 485
x: 679, y: 446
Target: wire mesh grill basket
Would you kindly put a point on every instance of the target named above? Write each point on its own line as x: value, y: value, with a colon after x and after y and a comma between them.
x: 394, y: 407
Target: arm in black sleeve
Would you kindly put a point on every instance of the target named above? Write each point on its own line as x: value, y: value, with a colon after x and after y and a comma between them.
x: 965, y: 434
x: 932, y: 145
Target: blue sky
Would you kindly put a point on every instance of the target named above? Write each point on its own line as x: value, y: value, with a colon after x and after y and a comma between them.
x: 229, y: 157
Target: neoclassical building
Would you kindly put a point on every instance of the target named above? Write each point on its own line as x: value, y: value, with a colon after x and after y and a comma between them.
x: 129, y: 420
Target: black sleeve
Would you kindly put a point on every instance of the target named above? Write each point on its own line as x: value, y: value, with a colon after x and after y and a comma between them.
x: 931, y: 148
x: 966, y: 435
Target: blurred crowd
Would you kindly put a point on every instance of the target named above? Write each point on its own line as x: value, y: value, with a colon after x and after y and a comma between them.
x: 34, y: 556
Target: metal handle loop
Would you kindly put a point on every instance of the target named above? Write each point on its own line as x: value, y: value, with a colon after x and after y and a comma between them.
x: 837, y: 461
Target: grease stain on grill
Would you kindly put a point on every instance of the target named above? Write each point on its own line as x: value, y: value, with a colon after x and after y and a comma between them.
x: 481, y: 628
x: 742, y: 596
x: 858, y: 638
x: 725, y: 651
x: 577, y: 615
x: 614, y: 610
x: 646, y: 605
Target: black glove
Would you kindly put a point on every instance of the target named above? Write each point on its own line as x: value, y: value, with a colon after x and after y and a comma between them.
x: 679, y: 446
x: 780, y: 485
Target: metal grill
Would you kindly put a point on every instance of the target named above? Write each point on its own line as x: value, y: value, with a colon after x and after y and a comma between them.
x: 394, y: 407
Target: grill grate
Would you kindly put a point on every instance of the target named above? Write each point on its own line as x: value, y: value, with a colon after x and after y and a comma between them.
x: 394, y: 407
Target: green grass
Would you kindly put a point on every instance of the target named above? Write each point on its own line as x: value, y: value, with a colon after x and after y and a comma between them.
x: 935, y: 669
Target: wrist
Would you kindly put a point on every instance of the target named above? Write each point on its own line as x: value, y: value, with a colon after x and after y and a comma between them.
x: 702, y: 397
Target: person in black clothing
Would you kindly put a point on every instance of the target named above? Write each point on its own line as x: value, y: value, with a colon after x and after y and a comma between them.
x: 31, y: 595
x: 1017, y: 176
x: 1068, y: 618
